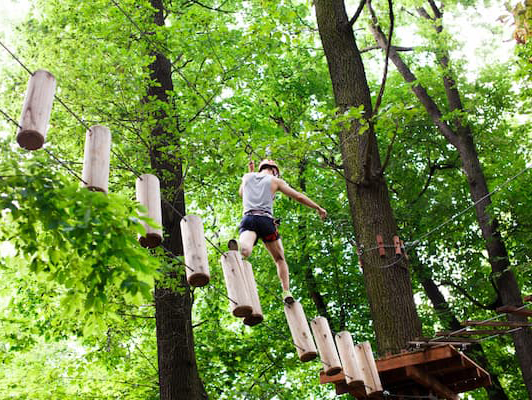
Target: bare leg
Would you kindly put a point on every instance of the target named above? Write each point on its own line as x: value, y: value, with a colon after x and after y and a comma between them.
x: 277, y: 252
x: 247, y: 241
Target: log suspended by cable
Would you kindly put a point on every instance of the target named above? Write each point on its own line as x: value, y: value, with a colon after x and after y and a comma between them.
x: 256, y: 316
x: 346, y: 349
x: 149, y: 195
x: 195, y: 250
x: 36, y: 110
x: 297, y: 322
x: 95, y: 174
x: 370, y: 374
x: 237, y: 289
x: 326, y: 347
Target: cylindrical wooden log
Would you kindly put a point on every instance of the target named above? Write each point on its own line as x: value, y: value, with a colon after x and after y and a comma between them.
x: 97, y: 156
x: 297, y: 322
x: 237, y: 291
x: 256, y: 316
x: 346, y: 349
x: 326, y: 348
x: 36, y: 110
x: 149, y: 195
x: 195, y: 249
x: 368, y: 367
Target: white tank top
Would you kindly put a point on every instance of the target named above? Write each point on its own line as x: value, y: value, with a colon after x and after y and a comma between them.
x: 257, y: 194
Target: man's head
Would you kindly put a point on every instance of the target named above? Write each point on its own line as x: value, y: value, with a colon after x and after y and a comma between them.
x: 270, y: 165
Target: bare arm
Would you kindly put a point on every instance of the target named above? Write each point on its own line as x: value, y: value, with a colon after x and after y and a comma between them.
x: 283, y: 187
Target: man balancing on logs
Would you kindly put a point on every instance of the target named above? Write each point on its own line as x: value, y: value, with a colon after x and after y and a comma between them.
x: 258, y: 192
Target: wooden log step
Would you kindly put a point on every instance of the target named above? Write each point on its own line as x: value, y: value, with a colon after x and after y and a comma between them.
x: 527, y: 299
x: 36, y: 110
x: 514, y: 310
x: 195, y: 251
x: 149, y: 195
x: 511, y: 324
x: 237, y: 290
x: 297, y: 322
x: 472, y: 332
x: 325, y: 343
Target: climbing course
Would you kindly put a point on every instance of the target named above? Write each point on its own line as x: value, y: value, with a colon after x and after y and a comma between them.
x: 430, y: 367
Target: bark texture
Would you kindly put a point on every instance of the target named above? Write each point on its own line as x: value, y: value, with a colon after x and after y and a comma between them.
x: 461, y: 137
x: 389, y: 289
x: 178, y: 374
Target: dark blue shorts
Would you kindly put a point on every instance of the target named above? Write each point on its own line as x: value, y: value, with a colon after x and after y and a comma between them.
x: 263, y: 226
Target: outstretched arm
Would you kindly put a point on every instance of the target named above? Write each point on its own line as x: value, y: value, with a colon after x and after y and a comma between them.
x: 283, y: 187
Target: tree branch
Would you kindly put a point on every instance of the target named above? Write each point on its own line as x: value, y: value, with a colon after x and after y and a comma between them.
x: 468, y: 296
x: 437, y: 13
x: 396, y: 48
x: 421, y: 93
x: 432, y: 170
x: 357, y: 13
x: 386, y: 58
x: 389, y: 150
x: 421, y: 11
x: 218, y: 9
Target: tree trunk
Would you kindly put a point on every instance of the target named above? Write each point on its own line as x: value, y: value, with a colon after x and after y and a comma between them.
x: 387, y: 279
x: 462, y: 139
x: 178, y: 375
x: 310, y: 280
x: 449, y: 321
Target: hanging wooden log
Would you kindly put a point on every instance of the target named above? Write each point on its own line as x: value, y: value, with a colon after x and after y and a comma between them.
x: 237, y: 290
x: 256, y: 316
x: 368, y: 367
x: 36, y: 110
x: 195, y: 250
x: 97, y: 156
x: 346, y: 349
x: 297, y: 322
x: 149, y: 195
x: 326, y: 347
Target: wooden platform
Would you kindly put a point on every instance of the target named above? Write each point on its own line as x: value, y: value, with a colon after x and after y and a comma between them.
x: 442, y: 371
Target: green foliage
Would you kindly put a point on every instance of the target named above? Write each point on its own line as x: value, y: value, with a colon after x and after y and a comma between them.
x: 251, y: 76
x: 84, y: 241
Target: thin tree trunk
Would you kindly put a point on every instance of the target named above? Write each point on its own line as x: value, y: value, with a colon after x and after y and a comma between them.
x: 310, y: 280
x: 178, y: 375
x: 462, y: 139
x: 389, y: 289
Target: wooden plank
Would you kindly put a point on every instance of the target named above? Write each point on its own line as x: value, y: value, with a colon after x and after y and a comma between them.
x: 472, y: 384
x: 414, y: 358
x: 472, y: 332
x: 514, y: 310
x: 463, y: 375
x: 511, y: 324
x: 429, y: 382
x: 445, y: 366
x: 527, y: 299
x: 473, y: 364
